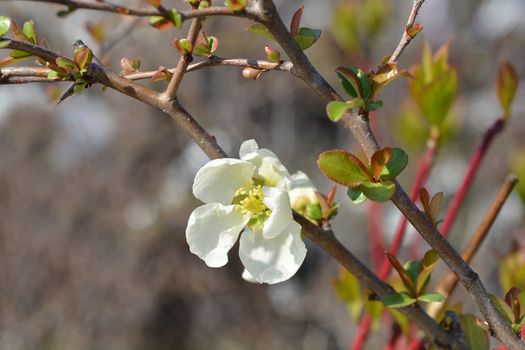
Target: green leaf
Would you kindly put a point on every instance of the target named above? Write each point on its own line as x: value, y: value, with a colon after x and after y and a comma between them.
x: 83, y: 57
x: 343, y: 168
x: 30, y: 32
x: 66, y: 64
x: 183, y: 46
x: 17, y: 33
x: 350, y: 81
x: 503, y: 308
x: 431, y: 297
x: 348, y: 290
x: 405, y: 277
x: 397, y: 300
x: 175, y: 17
x: 4, y: 43
x: 428, y: 263
x: 475, y: 336
x: 506, y: 85
x: 398, y: 161
x: 365, y: 83
x: 52, y: 74
x: 314, y: 212
x: 19, y: 54
x: 5, y: 23
x: 336, y: 110
x: 235, y: 5
x: 272, y: 55
x: 296, y: 21
x: 412, y: 267
x: 401, y: 320
x: 306, y: 37
x: 356, y: 195
x: 379, y: 160
x: 260, y: 29
x: 378, y: 191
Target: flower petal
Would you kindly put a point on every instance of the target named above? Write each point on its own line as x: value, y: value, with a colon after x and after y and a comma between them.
x: 302, y: 187
x: 272, y: 260
x: 279, y: 202
x: 268, y: 167
x: 217, y: 180
x: 212, y: 230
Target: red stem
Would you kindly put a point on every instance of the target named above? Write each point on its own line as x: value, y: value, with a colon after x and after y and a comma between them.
x: 421, y: 176
x: 456, y: 202
x: 394, y: 338
x: 475, y: 162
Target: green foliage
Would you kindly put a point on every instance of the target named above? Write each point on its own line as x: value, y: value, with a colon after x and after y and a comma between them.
x: 205, y: 45
x: 303, y: 36
x: 364, y: 87
x: 431, y: 206
x: 260, y: 29
x: 434, y: 86
x: 506, y: 85
x: 475, y: 336
x: 272, y: 55
x: 363, y: 181
x: 5, y: 23
x: 415, y: 276
x: 343, y: 168
x: 356, y: 23
x: 518, y: 168
x: 235, y: 5
x: 162, y: 23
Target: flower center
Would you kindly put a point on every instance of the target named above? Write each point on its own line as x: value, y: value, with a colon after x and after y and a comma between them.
x: 251, y: 202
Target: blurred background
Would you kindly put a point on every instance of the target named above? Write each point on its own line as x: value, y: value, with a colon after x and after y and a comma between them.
x: 95, y: 193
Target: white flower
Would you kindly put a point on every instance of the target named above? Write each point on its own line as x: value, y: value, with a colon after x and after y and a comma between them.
x: 250, y: 193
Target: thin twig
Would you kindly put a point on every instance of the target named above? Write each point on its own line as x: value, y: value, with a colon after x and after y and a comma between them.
x: 359, y: 126
x: 184, y: 61
x: 406, y: 38
x: 145, y: 11
x: 472, y: 170
x: 450, y: 281
x: 8, y: 73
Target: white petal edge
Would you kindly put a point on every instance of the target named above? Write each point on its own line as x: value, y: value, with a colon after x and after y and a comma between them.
x: 281, y: 216
x: 248, y: 146
x: 247, y: 277
x: 272, y: 260
x: 212, y: 230
x: 217, y: 180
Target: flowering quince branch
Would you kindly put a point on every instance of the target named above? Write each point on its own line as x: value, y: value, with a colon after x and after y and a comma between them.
x: 262, y: 195
x: 325, y: 239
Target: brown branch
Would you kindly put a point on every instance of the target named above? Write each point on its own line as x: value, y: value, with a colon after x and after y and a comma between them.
x: 331, y: 245
x: 360, y: 128
x: 184, y: 61
x: 450, y: 281
x: 406, y: 38
x: 145, y: 11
